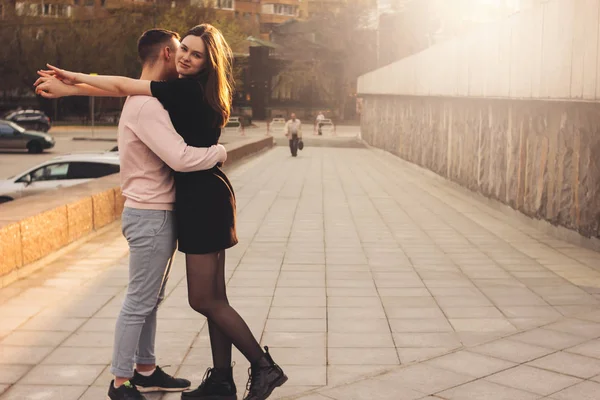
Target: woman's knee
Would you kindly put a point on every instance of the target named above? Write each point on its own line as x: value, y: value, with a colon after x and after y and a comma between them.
x: 202, y: 305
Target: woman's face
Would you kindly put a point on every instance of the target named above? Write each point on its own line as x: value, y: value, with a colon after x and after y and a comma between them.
x: 191, y: 56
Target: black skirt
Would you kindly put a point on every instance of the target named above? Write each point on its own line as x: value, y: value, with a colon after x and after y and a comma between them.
x: 205, y: 211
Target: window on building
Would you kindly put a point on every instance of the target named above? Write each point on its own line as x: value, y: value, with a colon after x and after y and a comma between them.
x: 225, y: 4
x: 46, y: 10
x: 284, y: 9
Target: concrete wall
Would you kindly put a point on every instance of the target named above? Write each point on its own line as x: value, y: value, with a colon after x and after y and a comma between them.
x: 547, y: 52
x: 510, y: 111
x: 541, y: 158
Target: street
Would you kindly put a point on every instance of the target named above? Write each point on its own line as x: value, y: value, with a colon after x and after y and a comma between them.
x: 104, y: 138
x: 14, y: 162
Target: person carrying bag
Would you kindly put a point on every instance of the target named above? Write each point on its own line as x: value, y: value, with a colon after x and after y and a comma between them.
x: 293, y: 131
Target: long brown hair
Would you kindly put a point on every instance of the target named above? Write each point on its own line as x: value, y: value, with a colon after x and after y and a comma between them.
x: 218, y: 70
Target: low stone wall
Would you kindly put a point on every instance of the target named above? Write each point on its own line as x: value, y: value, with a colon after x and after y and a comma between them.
x: 540, y: 157
x: 35, y: 227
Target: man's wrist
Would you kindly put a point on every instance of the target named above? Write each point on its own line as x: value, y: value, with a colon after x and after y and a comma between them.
x: 78, y: 77
x: 72, y: 90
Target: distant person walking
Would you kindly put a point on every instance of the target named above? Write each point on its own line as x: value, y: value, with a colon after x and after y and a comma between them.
x: 293, y: 131
x: 319, y: 122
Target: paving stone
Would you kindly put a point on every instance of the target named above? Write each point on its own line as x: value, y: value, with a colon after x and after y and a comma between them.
x: 583, y: 391
x: 510, y: 350
x: 373, y: 389
x: 34, y: 338
x: 363, y: 356
x: 476, y: 365
x: 482, y: 325
x: 589, y: 349
x: 548, y: 338
x: 483, y: 389
x: 362, y: 340
x: 420, y: 325
x: 10, y: 374
x: 62, y: 374
x: 533, y: 380
x: 425, y: 378
x: 569, y: 364
x: 23, y: 355
x: 46, y: 392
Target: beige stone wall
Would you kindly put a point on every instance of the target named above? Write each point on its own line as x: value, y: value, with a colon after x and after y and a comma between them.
x: 541, y: 158
x: 547, y: 52
x: 37, y: 226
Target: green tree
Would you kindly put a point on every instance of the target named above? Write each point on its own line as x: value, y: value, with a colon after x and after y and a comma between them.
x: 327, y: 53
x: 101, y: 41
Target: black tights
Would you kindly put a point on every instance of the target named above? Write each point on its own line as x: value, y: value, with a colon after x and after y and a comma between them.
x: 207, y: 295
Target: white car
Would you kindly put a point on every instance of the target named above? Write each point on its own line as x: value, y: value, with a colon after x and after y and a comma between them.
x: 326, y: 125
x: 277, y: 124
x: 59, y: 172
x: 233, y: 125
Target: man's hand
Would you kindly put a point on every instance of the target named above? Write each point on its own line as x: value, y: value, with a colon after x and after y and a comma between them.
x: 52, y: 88
x: 51, y: 74
x: 68, y: 77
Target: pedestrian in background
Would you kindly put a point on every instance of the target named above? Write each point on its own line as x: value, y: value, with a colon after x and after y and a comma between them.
x: 293, y: 131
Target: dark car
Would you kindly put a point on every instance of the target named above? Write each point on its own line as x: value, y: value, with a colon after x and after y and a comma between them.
x: 34, y: 120
x: 15, y: 137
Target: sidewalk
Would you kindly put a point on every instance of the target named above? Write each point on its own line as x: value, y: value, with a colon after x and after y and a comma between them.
x: 367, y: 280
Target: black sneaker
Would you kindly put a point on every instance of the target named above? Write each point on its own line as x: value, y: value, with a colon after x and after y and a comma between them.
x: 159, y: 381
x: 217, y: 384
x: 126, y: 391
x: 264, y: 377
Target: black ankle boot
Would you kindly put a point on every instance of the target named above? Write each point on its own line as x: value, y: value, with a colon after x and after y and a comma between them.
x: 264, y: 377
x: 217, y: 384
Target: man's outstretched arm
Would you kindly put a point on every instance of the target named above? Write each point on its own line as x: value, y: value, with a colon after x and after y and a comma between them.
x: 155, y: 129
x: 51, y: 87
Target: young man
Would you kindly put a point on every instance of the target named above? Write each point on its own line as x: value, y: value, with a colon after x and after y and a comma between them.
x: 149, y: 147
x: 293, y: 131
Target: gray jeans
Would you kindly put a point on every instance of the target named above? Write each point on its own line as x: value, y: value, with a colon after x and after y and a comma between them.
x: 152, y: 240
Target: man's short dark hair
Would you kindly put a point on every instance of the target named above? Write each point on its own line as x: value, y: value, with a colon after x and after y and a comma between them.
x: 152, y: 41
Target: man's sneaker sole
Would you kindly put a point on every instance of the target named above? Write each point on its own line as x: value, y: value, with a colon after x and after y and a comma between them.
x: 149, y: 389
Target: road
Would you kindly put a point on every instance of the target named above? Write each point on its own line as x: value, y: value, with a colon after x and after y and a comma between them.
x: 14, y: 162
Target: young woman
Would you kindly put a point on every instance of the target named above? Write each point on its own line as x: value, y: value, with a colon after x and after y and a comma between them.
x: 199, y: 106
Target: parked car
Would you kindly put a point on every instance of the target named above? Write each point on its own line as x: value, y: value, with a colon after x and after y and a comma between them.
x: 59, y: 172
x: 277, y: 124
x: 15, y: 137
x: 234, y: 125
x: 234, y: 122
x: 243, y: 119
x: 34, y: 120
x: 327, y: 125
